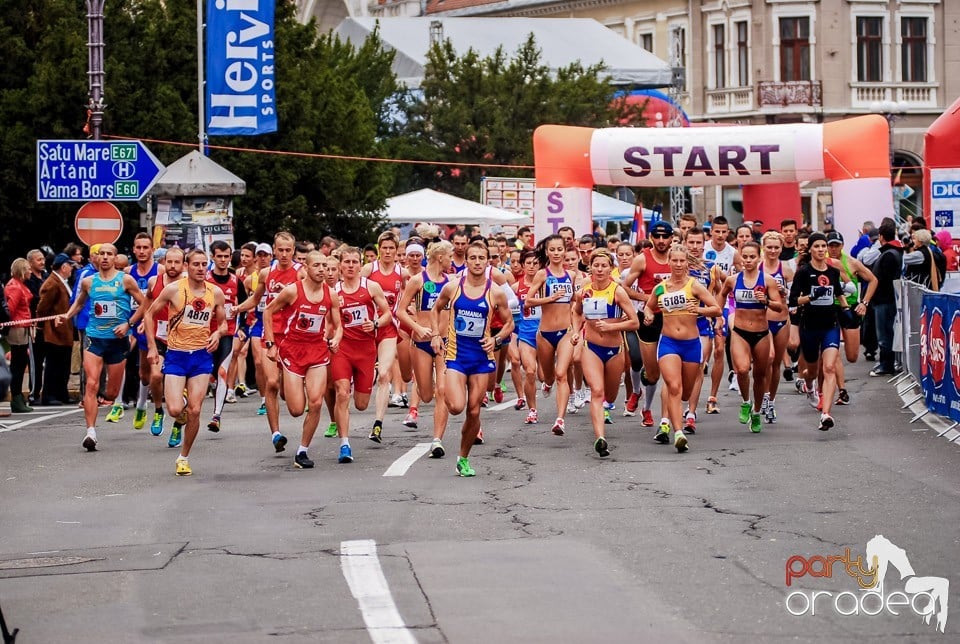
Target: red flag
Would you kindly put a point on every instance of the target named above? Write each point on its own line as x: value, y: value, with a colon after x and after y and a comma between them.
x: 638, y: 231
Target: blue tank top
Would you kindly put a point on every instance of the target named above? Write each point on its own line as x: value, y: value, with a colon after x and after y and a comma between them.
x: 564, y: 284
x: 110, y: 306
x: 469, y: 323
x: 431, y: 291
x: 745, y: 297
x: 142, y: 281
x: 778, y: 275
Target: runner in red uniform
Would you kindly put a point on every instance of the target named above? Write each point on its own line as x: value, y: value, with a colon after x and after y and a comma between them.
x: 233, y: 291
x: 312, y: 332
x: 273, y: 280
x: 364, y: 310
x: 385, y: 272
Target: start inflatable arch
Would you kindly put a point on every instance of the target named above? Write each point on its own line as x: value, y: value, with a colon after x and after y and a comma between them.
x: 853, y: 153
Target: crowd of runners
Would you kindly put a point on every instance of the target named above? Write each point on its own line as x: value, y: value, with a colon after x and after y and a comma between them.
x: 407, y: 322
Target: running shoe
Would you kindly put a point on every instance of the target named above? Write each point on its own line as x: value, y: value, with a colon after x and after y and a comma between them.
x: 230, y: 397
x: 755, y: 423
x: 606, y: 418
x: 601, y: 447
x: 498, y: 394
x: 375, y: 434
x: 545, y: 390
x: 214, y: 424
x: 663, y: 434
x: 680, y: 441
x: 279, y: 442
x: 579, y: 399
x: 396, y: 400
x: 346, y: 455
x: 302, y: 462
x: 463, y: 467
x: 800, y: 385
x: 633, y: 402
x: 813, y: 397
x: 771, y: 412
x: 744, y: 413
x: 571, y: 408
x: 479, y: 439
x: 819, y: 400
x: 788, y: 374
x: 436, y: 449
x: 140, y: 418
x: 485, y: 401
x: 262, y: 410
x: 609, y: 406
x: 712, y: 406
x: 521, y: 403
x: 558, y: 427
x: 331, y: 431
x: 240, y: 390
x: 412, y: 417
x: 646, y: 418
x: 585, y: 396
x: 843, y: 398
x: 826, y: 422
x: 531, y: 417
x: 156, y: 427
x: 690, y: 423
x: 115, y: 414
x: 90, y: 443
x: 183, y: 467
x: 176, y: 436
x: 764, y: 403
x: 405, y: 400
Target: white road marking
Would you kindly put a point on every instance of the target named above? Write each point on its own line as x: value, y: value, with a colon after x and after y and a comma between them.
x: 504, y: 405
x: 40, y: 419
x: 402, y: 464
x: 361, y: 568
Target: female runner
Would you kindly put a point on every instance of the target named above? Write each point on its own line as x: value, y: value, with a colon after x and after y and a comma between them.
x: 552, y: 289
x: 528, y: 325
x: 631, y: 368
x: 608, y: 312
x: 777, y: 321
x: 753, y: 293
x: 421, y: 294
x: 681, y: 298
x: 412, y: 260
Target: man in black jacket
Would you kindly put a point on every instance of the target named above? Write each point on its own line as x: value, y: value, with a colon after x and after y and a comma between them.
x: 888, y: 268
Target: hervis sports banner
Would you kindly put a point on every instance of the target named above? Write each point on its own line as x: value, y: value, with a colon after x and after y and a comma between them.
x: 241, y: 96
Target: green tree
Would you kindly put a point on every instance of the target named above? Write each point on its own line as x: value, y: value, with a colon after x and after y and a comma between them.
x: 484, y: 111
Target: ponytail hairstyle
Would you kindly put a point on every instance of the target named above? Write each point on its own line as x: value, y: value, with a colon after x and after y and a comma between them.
x: 804, y: 257
x: 541, y: 249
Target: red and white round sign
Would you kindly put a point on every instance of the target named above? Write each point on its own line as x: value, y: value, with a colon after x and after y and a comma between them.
x: 98, y: 222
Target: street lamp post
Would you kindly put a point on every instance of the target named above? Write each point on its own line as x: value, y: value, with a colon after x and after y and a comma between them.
x: 95, y: 74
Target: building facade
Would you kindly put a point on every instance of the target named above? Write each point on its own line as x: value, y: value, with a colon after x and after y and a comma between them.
x: 786, y: 61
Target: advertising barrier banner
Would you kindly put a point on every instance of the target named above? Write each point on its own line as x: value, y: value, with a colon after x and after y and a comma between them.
x: 939, y: 369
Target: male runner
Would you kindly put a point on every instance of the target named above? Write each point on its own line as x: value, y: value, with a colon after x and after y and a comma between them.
x: 110, y: 321
x: 721, y: 254
x: 141, y: 271
x: 172, y: 272
x: 233, y: 291
x: 459, y: 241
x: 193, y: 305
x: 313, y: 331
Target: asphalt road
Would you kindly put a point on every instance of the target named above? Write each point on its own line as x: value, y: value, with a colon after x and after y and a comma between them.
x: 548, y: 543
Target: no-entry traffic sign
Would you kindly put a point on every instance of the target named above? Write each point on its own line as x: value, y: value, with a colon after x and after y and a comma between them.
x: 98, y: 222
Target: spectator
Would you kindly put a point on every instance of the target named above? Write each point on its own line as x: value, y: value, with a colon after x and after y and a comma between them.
x: 612, y: 242
x: 869, y: 256
x: 18, y: 302
x: 55, y: 299
x: 38, y: 275
x: 868, y: 235
x: 568, y: 235
x: 887, y: 269
x: 924, y: 264
x: 945, y: 244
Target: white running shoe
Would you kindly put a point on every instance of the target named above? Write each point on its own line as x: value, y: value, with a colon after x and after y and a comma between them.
x: 813, y: 397
x: 578, y: 400
x: 586, y: 396
x: 545, y: 389
x: 396, y: 400
x: 572, y: 407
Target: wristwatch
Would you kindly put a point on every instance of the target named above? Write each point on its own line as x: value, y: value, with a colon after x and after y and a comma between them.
x: 497, y: 341
x: 268, y: 344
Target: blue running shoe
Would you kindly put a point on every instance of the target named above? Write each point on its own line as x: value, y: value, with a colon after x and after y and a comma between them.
x: 176, y: 436
x: 262, y: 411
x: 346, y: 456
x: 156, y: 427
x: 279, y: 442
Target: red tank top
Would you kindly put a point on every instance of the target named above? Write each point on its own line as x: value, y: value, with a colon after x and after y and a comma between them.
x: 160, y: 319
x: 277, y: 280
x: 230, y: 293
x: 391, y: 283
x: 307, y: 321
x: 655, y: 272
x: 355, y: 309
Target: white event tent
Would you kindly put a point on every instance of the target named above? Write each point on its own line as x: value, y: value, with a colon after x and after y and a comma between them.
x: 430, y: 206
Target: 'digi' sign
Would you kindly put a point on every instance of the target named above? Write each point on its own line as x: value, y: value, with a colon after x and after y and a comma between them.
x: 945, y: 189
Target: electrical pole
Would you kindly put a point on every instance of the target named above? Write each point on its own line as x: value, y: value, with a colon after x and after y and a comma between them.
x: 95, y: 74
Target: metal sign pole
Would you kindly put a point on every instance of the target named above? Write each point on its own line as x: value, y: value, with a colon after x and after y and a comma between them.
x: 95, y: 75
x: 201, y: 98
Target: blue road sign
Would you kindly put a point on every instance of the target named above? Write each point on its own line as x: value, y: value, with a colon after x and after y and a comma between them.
x: 95, y: 170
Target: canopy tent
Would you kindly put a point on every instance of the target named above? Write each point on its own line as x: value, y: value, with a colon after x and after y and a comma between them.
x: 431, y: 206
x: 609, y: 209
x: 562, y: 41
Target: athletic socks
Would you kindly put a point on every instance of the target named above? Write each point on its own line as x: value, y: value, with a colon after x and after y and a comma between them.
x: 301, y: 450
x: 142, y: 394
x: 635, y: 378
x: 344, y: 441
x: 649, y: 391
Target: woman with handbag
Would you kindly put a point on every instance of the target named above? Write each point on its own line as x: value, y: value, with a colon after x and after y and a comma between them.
x: 18, y: 297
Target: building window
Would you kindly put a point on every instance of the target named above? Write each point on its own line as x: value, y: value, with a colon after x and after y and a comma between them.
x: 719, y: 56
x: 646, y: 41
x: 869, y: 49
x: 913, y: 51
x: 794, y: 49
x: 743, y: 53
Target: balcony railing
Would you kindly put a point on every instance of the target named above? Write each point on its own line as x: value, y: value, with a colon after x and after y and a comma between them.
x: 789, y: 93
x: 729, y: 99
x: 917, y: 95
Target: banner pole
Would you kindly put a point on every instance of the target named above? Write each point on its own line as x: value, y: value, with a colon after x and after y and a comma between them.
x: 201, y: 98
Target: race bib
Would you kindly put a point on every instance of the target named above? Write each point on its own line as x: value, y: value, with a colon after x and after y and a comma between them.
x: 533, y: 313
x: 595, y: 308
x: 104, y: 310
x: 355, y: 315
x: 515, y: 308
x: 228, y: 311
x: 262, y: 304
x: 310, y: 322
x: 197, y: 316
x: 134, y: 305
x: 561, y: 287
x: 469, y: 326
x: 745, y: 295
x: 675, y: 301
x: 162, y: 329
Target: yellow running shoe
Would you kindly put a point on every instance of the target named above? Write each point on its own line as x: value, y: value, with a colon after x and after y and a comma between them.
x: 116, y: 413
x: 140, y: 419
x: 183, y: 467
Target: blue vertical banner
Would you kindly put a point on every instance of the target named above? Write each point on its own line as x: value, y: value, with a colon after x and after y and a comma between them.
x: 241, y: 94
